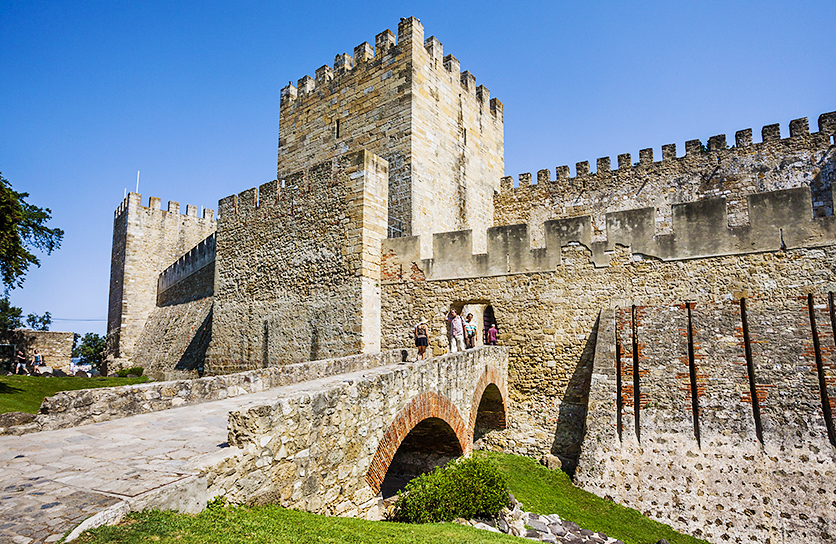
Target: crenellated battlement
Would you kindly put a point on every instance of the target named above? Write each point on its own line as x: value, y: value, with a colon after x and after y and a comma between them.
x: 134, y: 200
x: 193, y: 260
x: 367, y: 60
x: 715, y: 148
x: 779, y: 220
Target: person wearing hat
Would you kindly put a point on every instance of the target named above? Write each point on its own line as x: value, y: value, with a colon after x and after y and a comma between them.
x: 422, y: 335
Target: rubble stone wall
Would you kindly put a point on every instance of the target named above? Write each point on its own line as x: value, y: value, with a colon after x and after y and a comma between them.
x: 55, y: 347
x: 87, y: 406
x: 323, y: 448
x: 297, y: 267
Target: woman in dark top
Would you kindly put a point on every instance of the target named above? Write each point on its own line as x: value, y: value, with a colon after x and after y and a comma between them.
x: 421, y: 339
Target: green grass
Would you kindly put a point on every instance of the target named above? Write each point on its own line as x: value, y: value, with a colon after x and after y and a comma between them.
x: 545, y: 491
x: 276, y: 525
x: 539, y: 489
x: 25, y: 393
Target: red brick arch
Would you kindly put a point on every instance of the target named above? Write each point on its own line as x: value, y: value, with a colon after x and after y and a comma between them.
x: 421, y: 407
x: 490, y: 376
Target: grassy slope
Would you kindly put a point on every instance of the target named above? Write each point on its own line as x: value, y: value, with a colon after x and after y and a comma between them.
x: 544, y: 491
x: 539, y: 489
x: 276, y: 525
x: 25, y: 393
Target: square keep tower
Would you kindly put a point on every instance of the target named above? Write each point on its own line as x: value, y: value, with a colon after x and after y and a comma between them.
x: 411, y: 105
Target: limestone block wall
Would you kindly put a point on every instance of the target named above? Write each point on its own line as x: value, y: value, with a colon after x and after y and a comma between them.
x: 321, y: 448
x: 55, y: 347
x: 298, y: 267
x: 733, y: 466
x: 146, y: 240
x: 406, y: 102
x: 705, y: 171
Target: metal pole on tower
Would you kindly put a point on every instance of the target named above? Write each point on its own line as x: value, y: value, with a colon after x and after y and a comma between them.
x: 137, y: 182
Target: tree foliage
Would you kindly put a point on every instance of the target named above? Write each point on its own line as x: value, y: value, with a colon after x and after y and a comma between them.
x: 91, y: 350
x: 9, y: 315
x: 22, y: 229
x: 39, y: 322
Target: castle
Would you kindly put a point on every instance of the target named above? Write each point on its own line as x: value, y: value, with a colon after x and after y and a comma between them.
x: 671, y: 322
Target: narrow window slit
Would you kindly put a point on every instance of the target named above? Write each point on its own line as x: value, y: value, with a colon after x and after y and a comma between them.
x: 750, y: 370
x: 825, y: 399
x: 636, y: 392
x: 692, y: 371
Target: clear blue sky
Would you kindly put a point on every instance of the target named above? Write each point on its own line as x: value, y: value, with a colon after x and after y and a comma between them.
x: 188, y: 93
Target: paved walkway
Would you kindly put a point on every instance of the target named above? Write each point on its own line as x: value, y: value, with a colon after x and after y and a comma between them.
x: 51, y: 481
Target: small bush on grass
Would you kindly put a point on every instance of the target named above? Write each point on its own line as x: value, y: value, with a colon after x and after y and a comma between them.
x: 464, y: 488
x: 136, y: 371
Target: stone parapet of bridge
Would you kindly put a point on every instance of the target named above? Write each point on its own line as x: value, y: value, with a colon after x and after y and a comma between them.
x: 331, y: 447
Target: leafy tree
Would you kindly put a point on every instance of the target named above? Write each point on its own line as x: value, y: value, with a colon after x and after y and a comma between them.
x: 39, y: 322
x: 9, y: 315
x: 22, y: 228
x: 91, y: 350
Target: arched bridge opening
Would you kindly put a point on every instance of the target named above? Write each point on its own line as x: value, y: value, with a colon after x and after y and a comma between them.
x: 490, y: 414
x: 425, y: 434
x: 431, y: 443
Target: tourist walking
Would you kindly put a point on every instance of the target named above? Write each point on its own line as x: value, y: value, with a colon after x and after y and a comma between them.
x: 422, y: 335
x: 470, y: 332
x: 20, y: 367
x: 456, y: 331
x: 492, y: 334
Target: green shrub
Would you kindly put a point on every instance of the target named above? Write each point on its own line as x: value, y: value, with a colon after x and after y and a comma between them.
x: 464, y: 488
x: 136, y: 371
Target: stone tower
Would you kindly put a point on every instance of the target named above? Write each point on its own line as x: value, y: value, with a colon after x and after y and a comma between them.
x: 406, y: 102
x: 146, y: 240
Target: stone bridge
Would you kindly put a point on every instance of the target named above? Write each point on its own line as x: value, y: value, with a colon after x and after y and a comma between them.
x: 335, y: 451
x: 329, y: 436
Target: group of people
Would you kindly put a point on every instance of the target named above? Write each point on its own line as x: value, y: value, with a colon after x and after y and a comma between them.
x: 463, y: 334
x: 21, y: 367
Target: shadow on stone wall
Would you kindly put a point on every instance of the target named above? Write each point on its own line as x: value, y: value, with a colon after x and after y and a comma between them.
x: 568, y: 436
x: 195, y: 354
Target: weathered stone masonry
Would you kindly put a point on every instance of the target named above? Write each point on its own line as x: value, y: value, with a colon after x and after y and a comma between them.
x: 411, y: 105
x: 649, y: 261
x: 298, y: 267
x: 327, y: 451
x: 146, y: 240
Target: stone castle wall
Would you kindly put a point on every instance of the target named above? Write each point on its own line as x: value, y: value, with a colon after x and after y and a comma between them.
x: 801, y: 160
x: 404, y: 101
x: 703, y: 453
x: 55, y: 347
x: 146, y: 240
x: 298, y: 267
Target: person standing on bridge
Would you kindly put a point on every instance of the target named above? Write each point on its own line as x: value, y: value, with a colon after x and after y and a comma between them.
x: 421, y: 339
x: 456, y: 331
x: 470, y: 332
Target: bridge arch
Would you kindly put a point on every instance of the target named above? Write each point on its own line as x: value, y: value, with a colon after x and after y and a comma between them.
x: 489, y: 407
x: 426, y: 412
